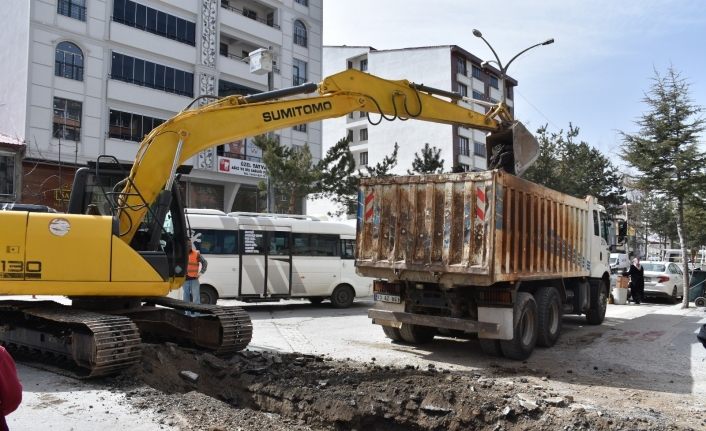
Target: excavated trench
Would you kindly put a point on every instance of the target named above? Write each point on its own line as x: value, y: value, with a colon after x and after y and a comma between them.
x: 195, y: 390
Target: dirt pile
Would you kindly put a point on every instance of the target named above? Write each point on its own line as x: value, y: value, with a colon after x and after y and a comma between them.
x: 262, y: 390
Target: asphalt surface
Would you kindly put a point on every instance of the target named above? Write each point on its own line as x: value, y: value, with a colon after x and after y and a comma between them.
x: 649, y: 350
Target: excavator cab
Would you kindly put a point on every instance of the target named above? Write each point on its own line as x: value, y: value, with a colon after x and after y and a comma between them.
x: 159, y: 238
x: 513, y: 149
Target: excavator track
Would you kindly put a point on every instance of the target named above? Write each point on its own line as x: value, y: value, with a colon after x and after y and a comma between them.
x: 219, y: 329
x: 107, y: 339
x: 81, y: 343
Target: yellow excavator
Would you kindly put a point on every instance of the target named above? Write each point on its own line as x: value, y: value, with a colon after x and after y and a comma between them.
x: 122, y: 247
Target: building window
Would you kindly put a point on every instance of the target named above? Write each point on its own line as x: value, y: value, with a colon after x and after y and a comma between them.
x: 494, y: 81
x: 476, y: 72
x: 131, y: 127
x: 298, y: 72
x: 72, y: 8
x: 349, y: 135
x: 465, y: 167
x: 302, y: 2
x: 300, y: 128
x: 363, y: 158
x: 227, y: 88
x: 363, y: 135
x: 67, y: 119
x: 362, y: 114
x: 151, y: 20
x: 364, y: 65
x: 461, y: 65
x: 479, y: 149
x: 478, y: 95
x: 148, y: 74
x: 7, y: 174
x: 462, y: 89
x: 350, y: 64
x: 300, y: 33
x: 463, y: 146
x: 68, y: 61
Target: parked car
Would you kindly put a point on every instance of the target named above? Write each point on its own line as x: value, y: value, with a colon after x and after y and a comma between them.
x: 619, y: 262
x: 663, y: 280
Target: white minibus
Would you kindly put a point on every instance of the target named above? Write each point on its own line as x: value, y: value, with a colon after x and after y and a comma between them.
x: 256, y: 257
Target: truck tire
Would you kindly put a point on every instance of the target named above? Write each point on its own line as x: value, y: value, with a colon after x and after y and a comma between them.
x: 549, y: 316
x: 208, y: 294
x: 490, y: 346
x: 392, y: 333
x: 596, y: 314
x: 416, y: 334
x: 342, y: 296
x: 524, y: 331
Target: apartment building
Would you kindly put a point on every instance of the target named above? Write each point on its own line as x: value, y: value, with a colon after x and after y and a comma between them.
x: 82, y: 78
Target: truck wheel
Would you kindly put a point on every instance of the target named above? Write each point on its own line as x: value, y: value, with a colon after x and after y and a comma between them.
x: 490, y: 346
x: 596, y: 314
x: 342, y: 296
x: 549, y: 316
x: 208, y: 295
x: 392, y: 333
x: 524, y: 331
x: 416, y: 334
x: 700, y: 301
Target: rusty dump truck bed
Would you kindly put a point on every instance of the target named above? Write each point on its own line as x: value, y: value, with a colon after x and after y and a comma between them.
x: 469, y: 229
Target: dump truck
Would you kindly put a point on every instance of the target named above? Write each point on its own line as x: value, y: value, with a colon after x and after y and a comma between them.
x: 484, y: 253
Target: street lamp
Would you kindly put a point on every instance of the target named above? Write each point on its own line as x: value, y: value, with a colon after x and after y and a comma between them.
x: 503, y: 69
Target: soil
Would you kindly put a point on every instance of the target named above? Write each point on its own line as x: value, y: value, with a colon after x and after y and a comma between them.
x: 256, y: 391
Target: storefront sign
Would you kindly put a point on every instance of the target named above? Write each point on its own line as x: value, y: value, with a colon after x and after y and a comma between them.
x: 242, y: 167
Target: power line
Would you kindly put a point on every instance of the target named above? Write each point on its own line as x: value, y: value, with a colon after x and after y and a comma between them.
x: 549, y: 121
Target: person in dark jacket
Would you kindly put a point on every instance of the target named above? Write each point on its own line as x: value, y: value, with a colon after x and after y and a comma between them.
x: 637, y: 280
x: 10, y: 387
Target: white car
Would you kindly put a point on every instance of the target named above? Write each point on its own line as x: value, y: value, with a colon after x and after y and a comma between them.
x: 663, y: 280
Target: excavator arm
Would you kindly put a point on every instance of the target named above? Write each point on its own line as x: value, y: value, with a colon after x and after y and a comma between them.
x: 236, y: 117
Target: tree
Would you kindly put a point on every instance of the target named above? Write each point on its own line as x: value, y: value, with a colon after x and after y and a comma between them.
x: 340, y: 181
x: 430, y: 161
x: 665, y: 151
x: 577, y: 169
x: 291, y: 170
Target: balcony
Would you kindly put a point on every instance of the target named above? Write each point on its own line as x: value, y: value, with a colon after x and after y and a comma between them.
x: 252, y: 18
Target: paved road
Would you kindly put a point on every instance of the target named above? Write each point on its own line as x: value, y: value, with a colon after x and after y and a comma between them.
x: 639, y: 350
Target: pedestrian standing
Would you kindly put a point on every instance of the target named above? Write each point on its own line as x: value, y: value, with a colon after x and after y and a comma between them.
x: 196, y: 266
x: 10, y: 387
x: 637, y: 280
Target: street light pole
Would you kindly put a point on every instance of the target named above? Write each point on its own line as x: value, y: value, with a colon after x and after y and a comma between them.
x: 503, y: 69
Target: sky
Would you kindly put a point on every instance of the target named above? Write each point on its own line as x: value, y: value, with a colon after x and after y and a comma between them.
x: 594, y: 76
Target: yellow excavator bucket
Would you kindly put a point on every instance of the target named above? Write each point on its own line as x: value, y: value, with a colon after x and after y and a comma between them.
x: 513, y: 149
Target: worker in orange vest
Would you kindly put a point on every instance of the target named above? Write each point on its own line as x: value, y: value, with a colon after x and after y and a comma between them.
x: 196, y: 266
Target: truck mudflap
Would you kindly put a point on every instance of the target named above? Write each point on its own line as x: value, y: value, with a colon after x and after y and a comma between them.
x: 397, y: 318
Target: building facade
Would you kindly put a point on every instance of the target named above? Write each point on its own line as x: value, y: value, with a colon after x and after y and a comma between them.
x: 93, y: 77
x: 447, y: 67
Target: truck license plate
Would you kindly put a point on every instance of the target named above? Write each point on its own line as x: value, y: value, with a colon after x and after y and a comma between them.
x: 387, y: 298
